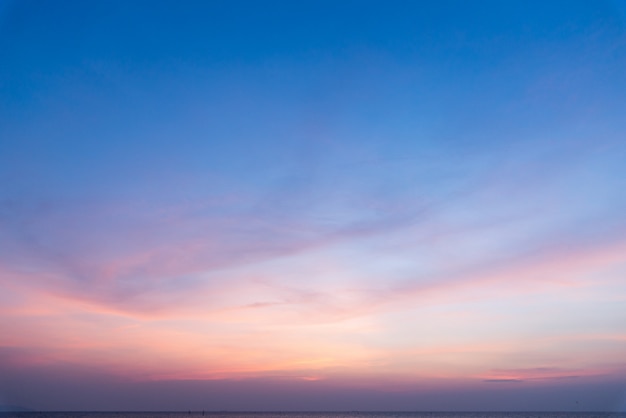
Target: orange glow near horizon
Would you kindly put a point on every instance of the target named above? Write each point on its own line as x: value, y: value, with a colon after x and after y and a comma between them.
x: 462, y: 338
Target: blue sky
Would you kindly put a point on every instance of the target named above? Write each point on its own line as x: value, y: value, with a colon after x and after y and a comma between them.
x: 417, y: 204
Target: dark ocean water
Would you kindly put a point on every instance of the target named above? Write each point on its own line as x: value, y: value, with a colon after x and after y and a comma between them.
x: 354, y: 414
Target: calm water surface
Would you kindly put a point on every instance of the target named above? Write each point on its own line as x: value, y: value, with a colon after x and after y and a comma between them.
x: 197, y: 414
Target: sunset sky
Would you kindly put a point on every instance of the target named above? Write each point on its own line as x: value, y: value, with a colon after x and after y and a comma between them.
x: 313, y: 205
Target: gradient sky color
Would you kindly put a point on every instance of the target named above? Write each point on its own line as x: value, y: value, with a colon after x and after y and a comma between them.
x: 387, y: 205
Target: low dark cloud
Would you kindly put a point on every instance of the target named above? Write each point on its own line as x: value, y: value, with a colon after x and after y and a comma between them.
x: 58, y: 387
x: 503, y: 380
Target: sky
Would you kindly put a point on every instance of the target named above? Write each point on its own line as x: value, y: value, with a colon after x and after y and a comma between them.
x: 313, y: 205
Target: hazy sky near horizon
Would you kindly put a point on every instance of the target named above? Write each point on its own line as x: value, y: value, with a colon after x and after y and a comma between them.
x: 313, y: 205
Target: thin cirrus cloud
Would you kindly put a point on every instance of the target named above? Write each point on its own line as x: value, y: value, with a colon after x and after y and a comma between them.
x: 369, y: 208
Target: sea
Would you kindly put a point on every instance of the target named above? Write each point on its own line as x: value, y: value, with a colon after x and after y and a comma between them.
x: 350, y: 414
